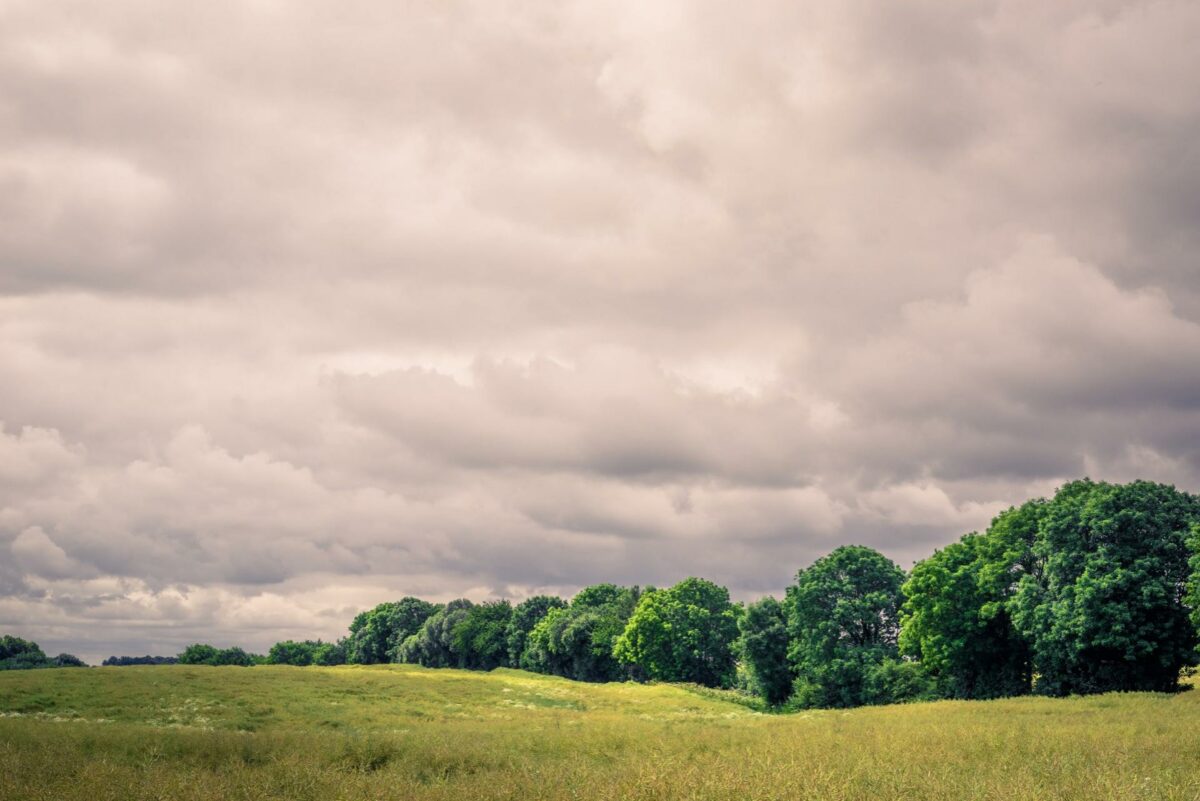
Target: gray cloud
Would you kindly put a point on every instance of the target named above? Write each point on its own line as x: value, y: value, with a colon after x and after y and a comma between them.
x: 303, y: 310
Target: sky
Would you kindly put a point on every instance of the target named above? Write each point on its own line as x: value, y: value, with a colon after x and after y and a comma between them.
x: 309, y: 306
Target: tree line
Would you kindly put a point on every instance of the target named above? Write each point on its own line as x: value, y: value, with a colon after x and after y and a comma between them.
x: 1093, y: 590
x: 19, y: 654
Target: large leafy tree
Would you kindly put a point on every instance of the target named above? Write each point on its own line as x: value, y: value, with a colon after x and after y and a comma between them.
x: 843, y: 624
x: 684, y: 633
x: 956, y: 616
x: 376, y: 633
x: 434, y: 644
x: 763, y: 646
x: 1106, y: 610
x: 577, y: 642
x: 481, y: 637
x: 526, y: 615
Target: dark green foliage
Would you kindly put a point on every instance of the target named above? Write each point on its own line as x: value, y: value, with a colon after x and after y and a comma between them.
x: 898, y: 681
x: 1193, y: 594
x: 204, y: 654
x: 67, y: 660
x: 125, y: 661
x: 330, y: 653
x: 526, y: 615
x: 433, y: 645
x: 1106, y: 610
x: 685, y: 633
x: 597, y: 596
x: 480, y: 638
x: 577, y: 642
x: 956, y: 617
x: 198, y: 654
x: 235, y: 656
x: 842, y: 620
x: 763, y: 646
x: 19, y: 654
x: 290, y: 652
x: 375, y: 635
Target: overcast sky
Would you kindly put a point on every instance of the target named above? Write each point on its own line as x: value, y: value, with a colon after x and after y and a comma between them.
x: 308, y: 306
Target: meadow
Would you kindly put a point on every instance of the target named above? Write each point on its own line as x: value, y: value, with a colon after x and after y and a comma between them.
x: 405, y: 732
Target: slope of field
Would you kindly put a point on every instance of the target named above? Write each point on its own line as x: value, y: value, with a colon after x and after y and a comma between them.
x: 399, y: 732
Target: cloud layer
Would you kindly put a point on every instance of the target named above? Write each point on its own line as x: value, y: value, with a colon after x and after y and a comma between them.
x: 303, y: 309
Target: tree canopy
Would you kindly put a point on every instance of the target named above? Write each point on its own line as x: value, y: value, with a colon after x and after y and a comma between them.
x: 763, y: 646
x: 684, y: 633
x: 1105, y: 611
x: 376, y: 633
x: 843, y: 622
x: 526, y: 615
x: 956, y: 616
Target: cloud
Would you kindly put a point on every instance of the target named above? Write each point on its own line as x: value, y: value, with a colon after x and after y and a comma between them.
x: 304, y: 310
x: 37, y: 554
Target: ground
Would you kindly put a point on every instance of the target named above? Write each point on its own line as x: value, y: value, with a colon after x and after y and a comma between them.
x: 400, y: 732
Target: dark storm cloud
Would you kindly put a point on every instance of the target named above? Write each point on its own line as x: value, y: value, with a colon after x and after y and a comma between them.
x: 302, y: 309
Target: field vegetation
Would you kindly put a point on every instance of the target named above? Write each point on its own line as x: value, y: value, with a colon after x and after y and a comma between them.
x: 406, y: 732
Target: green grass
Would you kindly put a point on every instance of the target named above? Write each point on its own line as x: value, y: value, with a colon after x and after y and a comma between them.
x: 398, y: 732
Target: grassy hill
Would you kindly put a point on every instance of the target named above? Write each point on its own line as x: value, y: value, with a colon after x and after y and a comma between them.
x: 401, y: 732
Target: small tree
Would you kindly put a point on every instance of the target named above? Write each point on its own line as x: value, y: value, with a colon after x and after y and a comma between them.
x: 764, y: 648
x: 290, y: 652
x: 198, y: 654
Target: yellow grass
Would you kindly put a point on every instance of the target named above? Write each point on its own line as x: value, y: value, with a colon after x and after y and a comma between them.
x: 399, y: 732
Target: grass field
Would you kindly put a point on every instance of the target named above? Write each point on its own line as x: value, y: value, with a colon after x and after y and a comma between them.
x: 399, y: 732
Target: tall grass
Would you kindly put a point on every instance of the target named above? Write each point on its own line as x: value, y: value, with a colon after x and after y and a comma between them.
x: 408, y: 733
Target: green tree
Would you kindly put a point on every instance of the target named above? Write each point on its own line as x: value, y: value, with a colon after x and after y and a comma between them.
x: 290, y: 652
x: 481, y: 637
x: 526, y: 615
x: 235, y: 656
x: 198, y: 654
x: 763, y: 646
x: 577, y: 642
x: 376, y: 633
x: 843, y: 622
x: 19, y: 654
x: 204, y: 654
x: 330, y: 653
x: 434, y: 643
x: 1193, y: 594
x: 956, y: 618
x: 898, y: 681
x: 1106, y: 609
x: 684, y: 633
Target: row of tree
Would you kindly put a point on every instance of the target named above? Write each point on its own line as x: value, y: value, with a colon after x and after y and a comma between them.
x: 1096, y: 589
x: 1093, y: 590
x: 19, y: 654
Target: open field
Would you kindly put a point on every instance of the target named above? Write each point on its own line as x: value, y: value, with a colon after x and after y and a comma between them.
x: 398, y: 732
